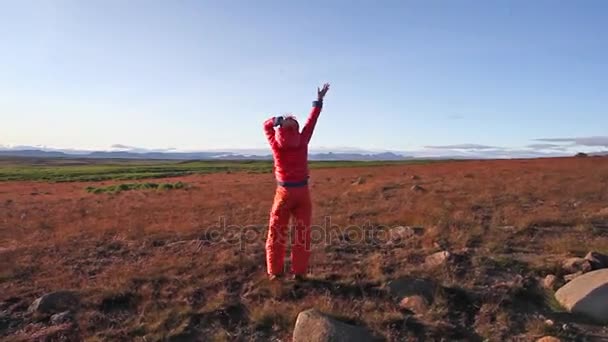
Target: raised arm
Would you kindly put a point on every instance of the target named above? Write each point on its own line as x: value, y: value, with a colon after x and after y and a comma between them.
x: 269, y: 129
x: 317, y: 106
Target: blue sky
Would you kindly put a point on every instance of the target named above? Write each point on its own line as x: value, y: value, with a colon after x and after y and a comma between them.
x: 195, y: 75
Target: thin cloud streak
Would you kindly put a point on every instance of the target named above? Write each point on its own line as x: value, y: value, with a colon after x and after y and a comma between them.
x: 593, y: 141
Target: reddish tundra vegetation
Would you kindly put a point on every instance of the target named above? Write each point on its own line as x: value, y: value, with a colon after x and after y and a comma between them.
x: 476, y: 239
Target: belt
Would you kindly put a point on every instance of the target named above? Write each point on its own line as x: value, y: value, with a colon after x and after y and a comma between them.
x: 293, y: 184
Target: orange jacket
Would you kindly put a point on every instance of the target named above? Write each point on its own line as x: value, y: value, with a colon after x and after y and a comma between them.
x: 291, y: 164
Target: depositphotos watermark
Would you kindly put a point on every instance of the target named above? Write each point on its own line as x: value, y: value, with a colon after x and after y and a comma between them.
x: 295, y: 232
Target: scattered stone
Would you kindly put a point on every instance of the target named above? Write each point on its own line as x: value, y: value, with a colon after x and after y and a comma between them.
x: 417, y: 188
x: 314, y: 326
x: 60, y: 318
x: 359, y: 181
x: 573, y: 265
x: 55, y: 302
x: 571, y: 276
x: 392, y: 186
x: 551, y: 282
x: 408, y: 286
x: 548, y: 339
x: 597, y: 260
x: 416, y: 304
x: 401, y: 233
x: 587, y: 295
x: 549, y: 322
x: 437, y: 259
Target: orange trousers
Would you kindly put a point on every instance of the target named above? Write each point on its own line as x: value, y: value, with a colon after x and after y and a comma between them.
x: 289, y: 202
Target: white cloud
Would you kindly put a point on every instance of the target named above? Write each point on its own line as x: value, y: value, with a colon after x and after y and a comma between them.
x: 127, y: 148
x: 463, y: 147
x: 546, y: 147
x: 594, y: 141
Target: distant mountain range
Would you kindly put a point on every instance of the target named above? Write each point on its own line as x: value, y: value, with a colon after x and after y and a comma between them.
x: 345, y: 154
x: 194, y: 155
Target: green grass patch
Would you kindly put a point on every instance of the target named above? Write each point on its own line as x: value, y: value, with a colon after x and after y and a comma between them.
x: 102, y: 170
x: 135, y: 186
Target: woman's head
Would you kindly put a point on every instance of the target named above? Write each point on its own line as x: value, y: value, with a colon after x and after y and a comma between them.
x: 288, y: 134
x: 290, y: 122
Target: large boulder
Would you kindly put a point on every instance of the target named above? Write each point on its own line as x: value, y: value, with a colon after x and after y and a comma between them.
x: 573, y: 265
x: 55, y: 302
x: 587, y: 295
x: 314, y: 326
x: 597, y: 260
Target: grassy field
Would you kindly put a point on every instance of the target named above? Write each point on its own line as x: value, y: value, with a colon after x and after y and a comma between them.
x: 61, y: 170
x: 189, y: 263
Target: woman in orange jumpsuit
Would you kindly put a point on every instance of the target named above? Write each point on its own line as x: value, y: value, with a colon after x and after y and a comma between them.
x: 292, y: 198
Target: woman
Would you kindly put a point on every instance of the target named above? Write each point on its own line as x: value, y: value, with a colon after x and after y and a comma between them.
x: 292, y: 198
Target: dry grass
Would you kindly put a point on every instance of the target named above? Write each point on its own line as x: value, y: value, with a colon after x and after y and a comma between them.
x: 148, y: 264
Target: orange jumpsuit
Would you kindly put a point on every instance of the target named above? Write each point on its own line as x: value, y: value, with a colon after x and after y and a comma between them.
x: 292, y: 197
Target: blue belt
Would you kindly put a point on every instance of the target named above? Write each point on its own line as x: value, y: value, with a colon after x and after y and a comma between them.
x: 293, y: 184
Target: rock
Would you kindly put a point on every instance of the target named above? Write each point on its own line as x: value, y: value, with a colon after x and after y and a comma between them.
x: 416, y: 304
x: 437, y: 259
x: 408, y: 286
x: 55, y: 302
x: 417, y: 188
x: 549, y: 322
x: 548, y: 339
x: 60, y: 318
x: 551, y: 282
x: 314, y: 326
x: 573, y: 265
x: 401, y: 233
x: 570, y: 277
x: 414, y: 177
x: 359, y: 181
x: 597, y: 260
x: 587, y: 295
